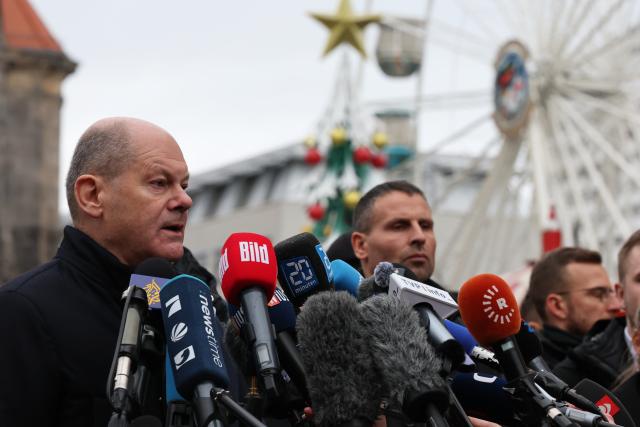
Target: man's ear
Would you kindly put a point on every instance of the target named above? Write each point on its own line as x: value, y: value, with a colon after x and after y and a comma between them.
x: 88, y: 191
x: 359, y: 244
x: 556, y: 306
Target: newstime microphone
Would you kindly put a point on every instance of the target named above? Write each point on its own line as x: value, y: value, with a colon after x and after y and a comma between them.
x: 194, y: 345
x: 248, y: 275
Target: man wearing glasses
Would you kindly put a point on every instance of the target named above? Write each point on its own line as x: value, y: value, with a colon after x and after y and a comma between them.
x: 571, y: 291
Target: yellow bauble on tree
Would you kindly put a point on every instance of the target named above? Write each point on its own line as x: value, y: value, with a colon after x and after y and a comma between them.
x: 310, y: 142
x: 351, y: 199
x: 307, y: 228
x: 327, y: 230
x: 380, y: 140
x: 339, y: 136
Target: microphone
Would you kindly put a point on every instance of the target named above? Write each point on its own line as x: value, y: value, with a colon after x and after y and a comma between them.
x: 126, y: 392
x: 303, y: 268
x: 378, y: 283
x: 531, y: 349
x: 470, y: 345
x: 283, y: 317
x: 483, y: 396
x: 607, y: 402
x: 345, y: 277
x: 431, y: 304
x: 343, y: 383
x: 248, y: 275
x: 193, y: 344
x: 407, y: 364
x: 490, y: 311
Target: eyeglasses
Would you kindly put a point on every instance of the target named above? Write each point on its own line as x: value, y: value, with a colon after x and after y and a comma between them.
x: 602, y: 293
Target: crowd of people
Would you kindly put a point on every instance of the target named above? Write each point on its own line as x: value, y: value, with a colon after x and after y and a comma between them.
x: 127, y: 195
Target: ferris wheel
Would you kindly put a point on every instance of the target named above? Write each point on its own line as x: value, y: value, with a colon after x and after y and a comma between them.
x: 555, y: 129
x: 565, y: 150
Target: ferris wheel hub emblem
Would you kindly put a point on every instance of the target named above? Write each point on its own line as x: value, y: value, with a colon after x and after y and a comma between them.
x: 511, y: 94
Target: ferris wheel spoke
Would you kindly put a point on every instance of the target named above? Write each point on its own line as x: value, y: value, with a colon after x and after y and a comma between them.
x: 607, y: 107
x: 578, y: 16
x: 488, y: 31
x: 436, y: 101
x: 557, y: 16
x: 600, y: 142
x: 465, y: 130
x: 469, y: 52
x: 461, y: 175
x: 457, y: 33
x: 610, y: 204
x: 571, y: 169
x: 624, y: 40
x: 470, y: 225
x: 604, y: 19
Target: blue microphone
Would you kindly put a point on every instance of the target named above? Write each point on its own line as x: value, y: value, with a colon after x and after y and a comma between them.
x: 345, y: 277
x: 194, y: 344
x: 470, y: 345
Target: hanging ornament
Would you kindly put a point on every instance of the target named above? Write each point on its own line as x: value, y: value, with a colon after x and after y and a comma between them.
x: 351, y: 199
x: 310, y: 142
x: 380, y: 140
x: 307, y: 228
x: 379, y: 160
x: 316, y: 212
x: 327, y: 230
x: 312, y: 157
x: 361, y: 155
x: 339, y: 136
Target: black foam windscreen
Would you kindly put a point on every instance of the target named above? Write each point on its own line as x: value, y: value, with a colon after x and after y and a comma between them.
x: 342, y: 380
x: 400, y: 349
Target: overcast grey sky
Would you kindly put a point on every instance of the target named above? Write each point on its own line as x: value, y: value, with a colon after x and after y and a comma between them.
x: 233, y: 79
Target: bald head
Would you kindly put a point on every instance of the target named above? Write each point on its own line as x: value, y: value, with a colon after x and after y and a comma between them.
x: 105, y: 149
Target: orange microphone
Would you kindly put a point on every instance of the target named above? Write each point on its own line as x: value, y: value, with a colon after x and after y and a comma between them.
x: 490, y: 311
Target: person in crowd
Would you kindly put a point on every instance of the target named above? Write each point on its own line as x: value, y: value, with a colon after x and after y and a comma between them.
x: 126, y: 191
x: 393, y: 222
x: 608, y: 348
x: 571, y: 291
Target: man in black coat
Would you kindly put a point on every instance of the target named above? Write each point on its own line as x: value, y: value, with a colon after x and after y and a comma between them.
x: 609, y: 349
x: 571, y: 291
x: 126, y: 190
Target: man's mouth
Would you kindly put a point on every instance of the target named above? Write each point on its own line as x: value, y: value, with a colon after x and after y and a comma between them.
x: 176, y: 228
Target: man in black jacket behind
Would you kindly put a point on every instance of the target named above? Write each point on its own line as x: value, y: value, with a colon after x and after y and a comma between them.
x: 126, y: 190
x: 571, y: 291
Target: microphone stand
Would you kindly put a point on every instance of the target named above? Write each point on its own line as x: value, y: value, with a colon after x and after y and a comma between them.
x: 222, y: 397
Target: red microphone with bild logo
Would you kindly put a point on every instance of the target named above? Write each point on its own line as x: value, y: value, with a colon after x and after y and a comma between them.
x: 248, y: 273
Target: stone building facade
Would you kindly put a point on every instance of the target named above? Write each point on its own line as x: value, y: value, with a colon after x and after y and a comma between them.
x: 32, y: 68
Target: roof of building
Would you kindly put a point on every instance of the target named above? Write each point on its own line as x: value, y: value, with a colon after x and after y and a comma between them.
x: 22, y: 28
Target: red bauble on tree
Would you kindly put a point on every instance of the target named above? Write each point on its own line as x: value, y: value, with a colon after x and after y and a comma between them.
x: 316, y: 212
x: 361, y: 155
x: 379, y: 160
x: 313, y: 156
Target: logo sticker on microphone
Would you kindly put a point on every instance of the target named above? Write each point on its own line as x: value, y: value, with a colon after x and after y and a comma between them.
x: 607, y: 406
x: 184, y: 356
x: 174, y: 305
x: 501, y: 312
x: 253, y: 252
x: 179, y: 331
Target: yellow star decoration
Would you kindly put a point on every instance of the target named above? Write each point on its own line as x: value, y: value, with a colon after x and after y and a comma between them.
x: 345, y: 27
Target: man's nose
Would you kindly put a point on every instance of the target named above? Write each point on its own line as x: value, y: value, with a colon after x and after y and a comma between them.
x: 417, y: 233
x: 181, y: 200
